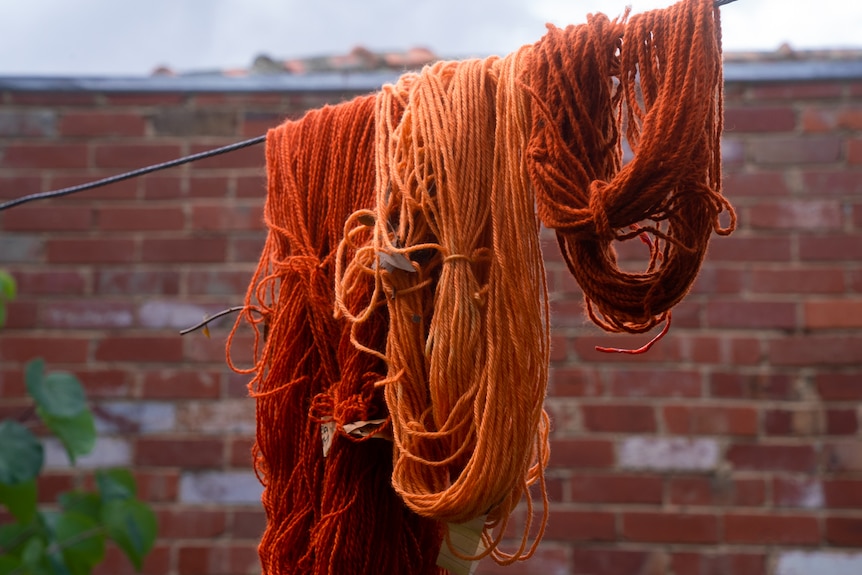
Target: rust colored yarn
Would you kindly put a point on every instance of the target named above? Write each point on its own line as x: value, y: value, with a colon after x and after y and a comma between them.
x: 659, y: 74
x: 324, y: 515
x: 455, y: 258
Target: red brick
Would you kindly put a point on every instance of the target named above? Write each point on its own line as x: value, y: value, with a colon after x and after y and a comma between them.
x: 757, y: 457
x: 655, y: 383
x: 710, y: 420
x: 102, y: 124
x: 832, y: 183
x: 225, y: 216
x: 122, y: 155
x: 251, y: 187
x: 567, y: 525
x: 118, y: 191
x: 90, y: 251
x: 145, y: 98
x: 815, y: 350
x: 87, y: 313
x: 618, y: 418
x: 137, y: 282
x: 181, y: 384
x: 107, y: 383
x: 177, y: 452
x: 716, y: 491
x: 755, y: 184
x: 615, y: 489
x: 843, y: 456
x: 53, y: 350
x: 801, y: 91
x: 157, y: 485
x: 831, y: 248
x: 795, y: 150
x: 844, y: 531
x: 581, y: 453
x: 208, y: 187
x: 750, y: 249
x: 805, y: 421
x: 670, y: 527
x: 547, y: 559
x: 839, y: 386
x: 21, y: 314
x: 43, y: 156
x: 160, y: 187
x: 612, y: 561
x: 718, y: 564
x: 184, y: 250
x: 225, y: 559
x: 797, y: 215
x: 841, y: 422
x: 52, y: 484
x: 833, y: 313
x: 751, y: 314
x: 752, y: 386
x: 246, y: 249
x: 665, y: 351
x: 18, y: 186
x: 186, y: 523
x: 716, y: 279
x: 51, y: 282
x: 797, y: 492
x: 771, y: 529
x: 843, y: 493
x: 141, y: 218
x: 53, y: 99
x: 810, y: 280
x: 240, y: 454
x: 47, y: 218
x: 247, y: 524
x: 157, y: 562
x: 745, y: 351
x: 250, y: 157
x: 759, y: 119
x: 854, y: 151
x: 139, y: 349
x: 704, y: 350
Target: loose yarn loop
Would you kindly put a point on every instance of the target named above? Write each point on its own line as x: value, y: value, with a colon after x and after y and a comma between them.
x: 467, y: 349
x: 324, y: 516
x: 659, y: 75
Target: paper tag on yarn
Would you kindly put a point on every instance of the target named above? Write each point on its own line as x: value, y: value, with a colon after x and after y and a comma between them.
x: 327, y: 432
x: 362, y: 429
x: 466, y: 538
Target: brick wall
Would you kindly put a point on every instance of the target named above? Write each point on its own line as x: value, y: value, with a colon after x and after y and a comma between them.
x: 730, y: 448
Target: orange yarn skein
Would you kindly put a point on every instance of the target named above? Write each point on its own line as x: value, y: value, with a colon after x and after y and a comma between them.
x: 324, y: 515
x: 667, y: 64
x: 456, y: 258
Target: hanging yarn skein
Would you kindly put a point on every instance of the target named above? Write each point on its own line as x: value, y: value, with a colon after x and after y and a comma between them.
x: 659, y: 74
x: 325, y: 515
x: 456, y: 259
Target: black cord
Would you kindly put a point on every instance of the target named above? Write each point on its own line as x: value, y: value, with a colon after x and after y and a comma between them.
x: 132, y: 174
x: 718, y: 3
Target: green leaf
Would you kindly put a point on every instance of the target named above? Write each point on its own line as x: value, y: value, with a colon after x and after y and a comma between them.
x: 81, y: 540
x: 9, y: 565
x: 2, y: 313
x: 132, y: 526
x: 21, y: 454
x: 13, y: 535
x: 8, y: 287
x: 116, y: 484
x: 20, y: 500
x: 88, y: 504
x: 77, y: 433
x: 34, y: 552
x: 59, y: 394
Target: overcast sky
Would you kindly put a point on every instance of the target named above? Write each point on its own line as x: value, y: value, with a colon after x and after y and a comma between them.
x: 97, y: 37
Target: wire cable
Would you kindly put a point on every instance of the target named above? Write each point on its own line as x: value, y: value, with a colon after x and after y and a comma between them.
x: 132, y: 174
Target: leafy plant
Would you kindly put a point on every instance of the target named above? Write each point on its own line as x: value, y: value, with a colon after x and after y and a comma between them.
x: 69, y: 538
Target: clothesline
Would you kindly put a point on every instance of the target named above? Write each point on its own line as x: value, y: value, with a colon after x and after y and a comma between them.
x: 161, y: 166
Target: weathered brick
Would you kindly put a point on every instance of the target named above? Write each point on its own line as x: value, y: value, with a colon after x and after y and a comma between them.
x: 718, y: 564
x: 181, y: 384
x: 251, y: 187
x: 717, y: 491
x: 839, y: 386
x: 805, y: 421
x: 771, y: 529
x: 843, y: 456
x: 248, y: 524
x: 139, y: 349
x: 184, y: 250
x: 240, y: 452
x: 795, y: 151
x: 48, y: 218
x: 177, y: 523
x: 843, y: 493
x: 832, y: 182
x: 797, y: 492
x: 191, y: 122
x: 844, y: 531
x: 668, y: 453
x: 799, y: 91
x: 796, y: 215
x: 140, y: 218
x: 208, y: 187
x: 250, y: 157
x: 569, y: 525
x: 226, y: 559
x: 750, y: 249
x: 28, y: 123
x: 157, y: 562
x: 94, y: 124
x: 581, y: 453
x: 180, y: 452
x: 613, y: 561
x: 751, y: 314
x: 841, y: 422
x: 831, y: 248
x: 90, y: 251
x: 227, y: 216
x: 655, y: 383
x: 53, y: 349
x: 245, y: 249
x: 43, y: 156
x: 755, y: 184
x: 615, y: 489
x: 796, y: 562
x: 137, y: 282
x: 220, y: 487
x: 728, y: 384
x: 87, y: 314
